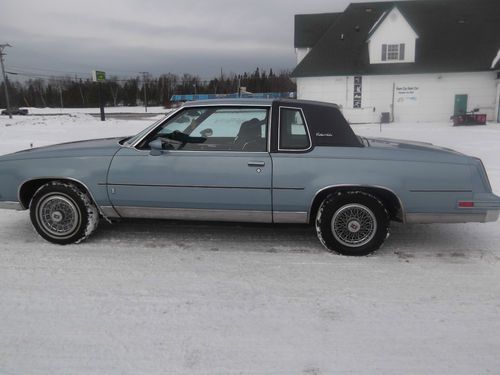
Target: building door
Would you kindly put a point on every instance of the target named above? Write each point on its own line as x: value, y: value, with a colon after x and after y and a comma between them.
x: 460, y: 104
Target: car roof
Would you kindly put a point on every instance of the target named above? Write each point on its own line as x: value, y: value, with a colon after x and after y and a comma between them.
x: 256, y: 102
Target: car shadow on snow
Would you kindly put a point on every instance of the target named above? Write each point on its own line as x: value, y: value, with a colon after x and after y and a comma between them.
x: 455, y: 242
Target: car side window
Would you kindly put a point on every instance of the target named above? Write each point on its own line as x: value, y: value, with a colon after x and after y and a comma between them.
x: 214, y: 129
x: 293, y: 133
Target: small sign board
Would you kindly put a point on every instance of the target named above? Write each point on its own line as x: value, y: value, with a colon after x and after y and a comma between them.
x: 358, y: 92
x: 98, y: 76
x: 407, y: 94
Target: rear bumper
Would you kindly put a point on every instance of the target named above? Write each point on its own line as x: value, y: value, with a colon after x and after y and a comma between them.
x: 6, y: 205
x: 459, y: 217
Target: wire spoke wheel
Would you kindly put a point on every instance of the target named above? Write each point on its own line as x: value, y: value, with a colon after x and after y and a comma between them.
x: 58, y: 215
x: 354, y: 225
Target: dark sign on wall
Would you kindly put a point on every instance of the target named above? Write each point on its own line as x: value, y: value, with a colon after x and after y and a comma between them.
x: 357, y: 94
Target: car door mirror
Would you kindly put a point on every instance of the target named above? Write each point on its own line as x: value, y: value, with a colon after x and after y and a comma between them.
x: 156, y: 147
x: 205, y: 133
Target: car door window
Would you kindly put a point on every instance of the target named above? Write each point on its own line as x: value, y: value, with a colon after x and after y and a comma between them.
x: 293, y: 133
x: 214, y: 128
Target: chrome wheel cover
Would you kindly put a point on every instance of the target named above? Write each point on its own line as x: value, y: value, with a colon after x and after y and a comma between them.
x: 58, y: 215
x: 354, y: 225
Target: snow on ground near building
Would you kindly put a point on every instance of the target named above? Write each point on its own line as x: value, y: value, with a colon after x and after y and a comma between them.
x: 58, y: 111
x: 195, y: 298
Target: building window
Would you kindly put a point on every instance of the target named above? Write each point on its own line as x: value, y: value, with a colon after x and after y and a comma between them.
x: 393, y: 52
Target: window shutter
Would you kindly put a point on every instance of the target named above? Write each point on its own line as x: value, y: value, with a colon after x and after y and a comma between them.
x: 401, y: 51
x: 384, y: 52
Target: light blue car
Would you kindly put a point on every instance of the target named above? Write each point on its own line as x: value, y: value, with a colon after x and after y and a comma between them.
x: 265, y: 161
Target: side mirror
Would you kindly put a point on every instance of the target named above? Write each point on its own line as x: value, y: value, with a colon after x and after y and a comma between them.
x: 205, y: 133
x: 156, y: 147
x: 476, y: 109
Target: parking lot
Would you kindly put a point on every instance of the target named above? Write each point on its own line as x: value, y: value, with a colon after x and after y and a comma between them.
x: 170, y: 297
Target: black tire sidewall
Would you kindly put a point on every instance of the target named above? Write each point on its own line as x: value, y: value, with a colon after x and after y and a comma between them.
x: 336, y: 201
x: 69, y: 193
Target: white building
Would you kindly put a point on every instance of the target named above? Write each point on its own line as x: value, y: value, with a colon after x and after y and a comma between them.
x: 421, y: 60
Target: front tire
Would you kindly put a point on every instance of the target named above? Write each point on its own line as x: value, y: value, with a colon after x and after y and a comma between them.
x: 62, y: 213
x: 352, y: 223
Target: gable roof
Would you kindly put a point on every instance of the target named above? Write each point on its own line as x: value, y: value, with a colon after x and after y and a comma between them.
x: 309, y: 28
x: 381, y: 20
x: 454, y: 36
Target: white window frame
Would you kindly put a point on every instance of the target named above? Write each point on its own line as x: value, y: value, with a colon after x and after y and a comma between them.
x: 394, y: 52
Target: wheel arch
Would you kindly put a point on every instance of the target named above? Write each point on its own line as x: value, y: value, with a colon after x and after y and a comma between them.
x: 388, y: 197
x: 28, y: 188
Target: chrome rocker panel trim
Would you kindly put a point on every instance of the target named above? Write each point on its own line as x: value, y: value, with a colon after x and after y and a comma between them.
x: 205, y: 214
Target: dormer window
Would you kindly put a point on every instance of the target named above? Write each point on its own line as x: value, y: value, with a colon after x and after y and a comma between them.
x: 392, y: 40
x: 393, y: 52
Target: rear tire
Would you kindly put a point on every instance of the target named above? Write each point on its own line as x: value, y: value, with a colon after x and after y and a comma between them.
x: 352, y: 223
x: 63, y: 214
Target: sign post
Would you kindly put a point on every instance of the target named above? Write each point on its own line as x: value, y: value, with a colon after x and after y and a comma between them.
x: 99, y: 77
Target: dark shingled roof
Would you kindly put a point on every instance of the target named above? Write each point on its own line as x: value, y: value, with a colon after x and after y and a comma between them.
x: 309, y: 28
x: 454, y: 36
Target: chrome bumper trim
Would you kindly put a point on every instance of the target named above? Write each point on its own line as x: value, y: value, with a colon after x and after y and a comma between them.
x: 11, y: 206
x: 462, y: 217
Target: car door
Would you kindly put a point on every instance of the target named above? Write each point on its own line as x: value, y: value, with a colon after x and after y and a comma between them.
x: 214, y: 165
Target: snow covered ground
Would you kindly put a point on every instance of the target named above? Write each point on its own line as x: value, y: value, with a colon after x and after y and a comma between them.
x: 195, y: 298
x: 70, y: 111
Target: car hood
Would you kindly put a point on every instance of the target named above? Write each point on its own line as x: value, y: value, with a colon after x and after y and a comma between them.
x: 88, y: 148
x: 400, y: 145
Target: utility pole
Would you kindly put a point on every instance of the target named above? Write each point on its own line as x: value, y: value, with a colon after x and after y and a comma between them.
x: 145, y: 83
x: 2, y: 54
x: 61, y: 95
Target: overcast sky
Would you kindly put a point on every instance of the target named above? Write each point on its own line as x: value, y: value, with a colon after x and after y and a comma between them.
x: 128, y: 36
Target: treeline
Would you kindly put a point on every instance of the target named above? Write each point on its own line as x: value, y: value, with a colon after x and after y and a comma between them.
x: 40, y: 92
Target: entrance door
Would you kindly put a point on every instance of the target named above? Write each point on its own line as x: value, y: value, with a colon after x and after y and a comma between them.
x: 460, y: 104
x: 214, y: 166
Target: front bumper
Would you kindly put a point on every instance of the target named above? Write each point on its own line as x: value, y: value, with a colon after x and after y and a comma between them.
x: 6, y: 205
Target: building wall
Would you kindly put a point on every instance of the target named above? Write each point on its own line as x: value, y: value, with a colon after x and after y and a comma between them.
x: 417, y: 97
x: 393, y: 30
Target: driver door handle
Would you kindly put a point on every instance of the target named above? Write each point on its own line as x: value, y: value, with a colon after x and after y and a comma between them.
x: 254, y: 163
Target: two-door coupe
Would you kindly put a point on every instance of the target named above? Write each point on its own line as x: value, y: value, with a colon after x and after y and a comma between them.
x: 266, y: 161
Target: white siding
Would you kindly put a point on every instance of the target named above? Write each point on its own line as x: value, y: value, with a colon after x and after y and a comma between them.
x: 393, y: 30
x: 301, y: 53
x: 434, y: 101
x: 497, y: 107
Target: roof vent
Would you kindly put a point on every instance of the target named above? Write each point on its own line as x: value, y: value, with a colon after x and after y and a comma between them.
x: 368, y: 10
x: 357, y: 28
x: 341, y: 36
x: 462, y: 21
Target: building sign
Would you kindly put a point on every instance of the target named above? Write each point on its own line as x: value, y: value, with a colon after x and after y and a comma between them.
x: 357, y: 94
x: 98, y: 76
x: 406, y: 94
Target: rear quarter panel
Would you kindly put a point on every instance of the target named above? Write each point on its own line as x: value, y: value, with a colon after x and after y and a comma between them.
x: 423, y: 181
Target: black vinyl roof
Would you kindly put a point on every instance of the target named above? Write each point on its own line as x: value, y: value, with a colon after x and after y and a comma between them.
x: 453, y: 36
